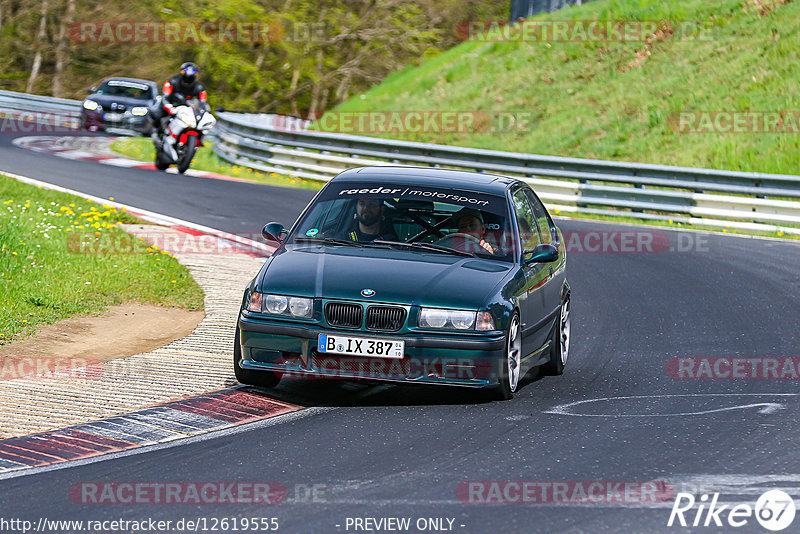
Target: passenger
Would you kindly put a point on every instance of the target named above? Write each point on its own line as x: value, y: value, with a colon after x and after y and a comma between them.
x: 369, y: 224
x: 469, y: 221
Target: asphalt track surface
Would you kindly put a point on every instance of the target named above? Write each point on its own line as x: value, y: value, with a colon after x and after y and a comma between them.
x: 388, y: 451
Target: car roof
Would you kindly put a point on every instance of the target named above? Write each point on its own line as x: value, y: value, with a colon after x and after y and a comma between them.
x: 137, y: 80
x: 447, y: 178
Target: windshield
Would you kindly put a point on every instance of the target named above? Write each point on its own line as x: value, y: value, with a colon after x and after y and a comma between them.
x: 387, y: 215
x: 126, y: 89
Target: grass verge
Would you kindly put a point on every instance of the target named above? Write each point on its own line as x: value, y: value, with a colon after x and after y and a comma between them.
x: 62, y: 255
x: 142, y: 149
x: 618, y: 100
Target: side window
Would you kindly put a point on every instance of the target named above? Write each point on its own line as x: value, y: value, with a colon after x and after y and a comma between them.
x: 526, y: 219
x: 546, y: 228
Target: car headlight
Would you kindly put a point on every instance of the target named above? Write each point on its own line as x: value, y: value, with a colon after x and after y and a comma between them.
x: 451, y: 319
x: 139, y: 111
x: 281, y: 305
x: 91, y: 105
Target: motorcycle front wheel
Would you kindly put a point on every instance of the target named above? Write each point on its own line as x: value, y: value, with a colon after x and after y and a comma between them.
x: 187, y: 154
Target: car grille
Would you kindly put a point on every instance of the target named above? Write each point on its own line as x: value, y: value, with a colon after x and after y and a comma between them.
x: 343, y: 315
x: 386, y: 318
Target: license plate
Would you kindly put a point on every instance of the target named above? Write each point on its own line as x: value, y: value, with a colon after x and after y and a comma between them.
x: 112, y: 117
x: 360, y: 346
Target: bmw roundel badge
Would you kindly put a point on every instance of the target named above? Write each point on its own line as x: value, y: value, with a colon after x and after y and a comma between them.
x: 368, y: 292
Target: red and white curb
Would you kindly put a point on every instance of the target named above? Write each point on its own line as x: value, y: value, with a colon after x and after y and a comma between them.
x: 60, y: 146
x: 167, y: 422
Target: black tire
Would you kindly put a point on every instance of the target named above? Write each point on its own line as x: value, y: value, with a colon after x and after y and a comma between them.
x: 266, y: 379
x: 503, y: 390
x: 559, y: 342
x: 162, y: 161
x: 186, y: 156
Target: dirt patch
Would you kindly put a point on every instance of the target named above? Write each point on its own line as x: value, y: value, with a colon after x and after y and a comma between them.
x: 123, y: 330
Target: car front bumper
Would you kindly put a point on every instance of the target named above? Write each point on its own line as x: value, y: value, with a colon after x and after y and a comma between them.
x: 93, y: 121
x: 470, y: 360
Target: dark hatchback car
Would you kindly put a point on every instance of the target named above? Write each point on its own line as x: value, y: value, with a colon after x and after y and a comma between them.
x: 119, y: 103
x: 411, y: 275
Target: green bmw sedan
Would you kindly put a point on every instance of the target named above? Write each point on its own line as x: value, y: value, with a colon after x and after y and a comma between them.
x: 410, y: 275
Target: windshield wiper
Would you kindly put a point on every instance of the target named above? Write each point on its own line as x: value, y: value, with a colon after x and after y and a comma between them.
x: 332, y: 241
x: 426, y: 246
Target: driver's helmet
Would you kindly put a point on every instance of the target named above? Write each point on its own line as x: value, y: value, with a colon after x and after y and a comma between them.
x: 188, y: 73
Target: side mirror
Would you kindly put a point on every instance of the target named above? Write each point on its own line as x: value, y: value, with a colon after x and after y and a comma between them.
x: 220, y: 109
x: 274, y: 232
x: 92, y: 90
x: 542, y: 254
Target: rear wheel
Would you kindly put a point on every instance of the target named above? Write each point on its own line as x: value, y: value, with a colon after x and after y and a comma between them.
x: 267, y: 379
x: 559, y: 342
x: 509, y: 372
x: 186, y: 156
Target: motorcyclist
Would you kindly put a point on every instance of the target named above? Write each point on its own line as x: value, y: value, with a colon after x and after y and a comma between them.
x: 181, y: 87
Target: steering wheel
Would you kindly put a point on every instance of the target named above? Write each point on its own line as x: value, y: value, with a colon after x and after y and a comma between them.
x: 447, y: 240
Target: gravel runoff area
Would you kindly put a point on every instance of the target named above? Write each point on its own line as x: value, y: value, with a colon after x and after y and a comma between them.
x: 197, y: 363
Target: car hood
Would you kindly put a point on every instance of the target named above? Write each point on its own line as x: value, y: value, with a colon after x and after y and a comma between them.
x: 396, y: 276
x: 128, y: 102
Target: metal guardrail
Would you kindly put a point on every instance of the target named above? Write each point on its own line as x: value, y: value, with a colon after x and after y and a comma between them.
x: 272, y: 143
x: 61, y: 112
x: 744, y: 200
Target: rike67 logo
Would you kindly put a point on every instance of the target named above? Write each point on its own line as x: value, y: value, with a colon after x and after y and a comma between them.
x: 774, y: 511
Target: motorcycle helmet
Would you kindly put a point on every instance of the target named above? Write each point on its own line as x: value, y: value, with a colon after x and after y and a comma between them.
x: 188, y: 73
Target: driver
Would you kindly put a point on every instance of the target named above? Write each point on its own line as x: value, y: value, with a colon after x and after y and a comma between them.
x: 470, y: 221
x: 368, y: 225
x: 184, y: 84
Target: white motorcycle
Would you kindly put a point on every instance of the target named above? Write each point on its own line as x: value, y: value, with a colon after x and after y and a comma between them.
x: 183, y: 135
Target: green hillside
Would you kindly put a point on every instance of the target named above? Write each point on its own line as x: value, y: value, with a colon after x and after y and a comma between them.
x: 614, y: 100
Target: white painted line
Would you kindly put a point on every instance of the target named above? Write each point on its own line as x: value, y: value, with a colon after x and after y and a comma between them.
x: 121, y: 162
x: 766, y: 407
x: 74, y: 154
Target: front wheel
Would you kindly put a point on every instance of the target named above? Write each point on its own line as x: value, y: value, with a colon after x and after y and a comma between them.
x: 186, y: 156
x: 509, y: 372
x: 267, y: 379
x: 559, y: 342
